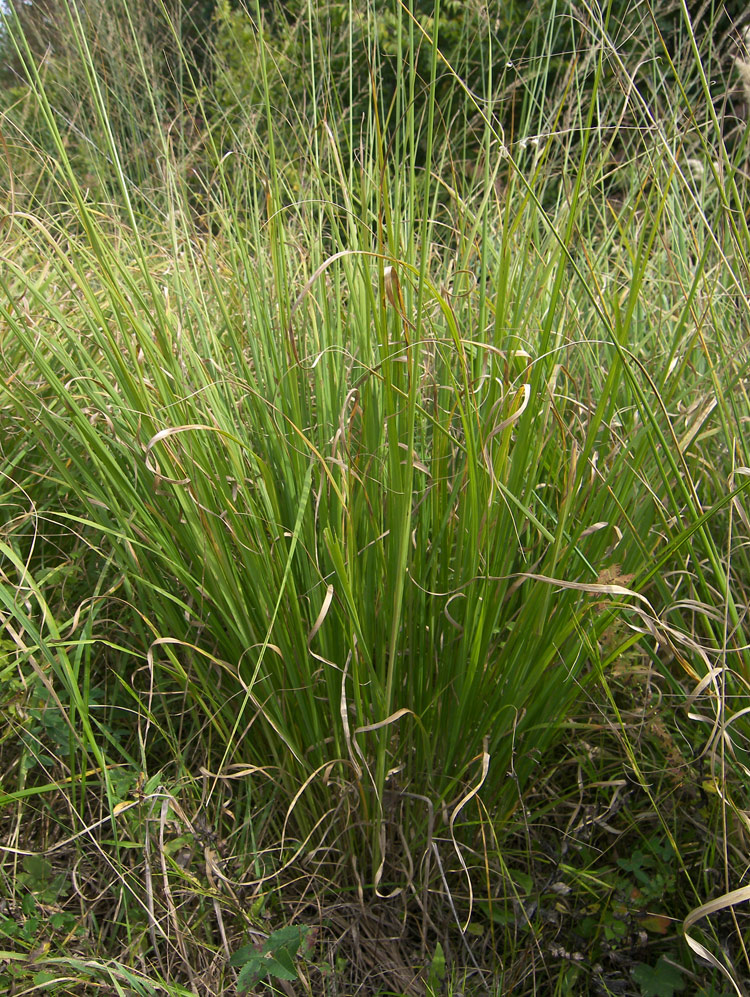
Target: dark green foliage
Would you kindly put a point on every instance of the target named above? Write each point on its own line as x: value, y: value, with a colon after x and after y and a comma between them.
x: 275, y: 958
x: 661, y: 980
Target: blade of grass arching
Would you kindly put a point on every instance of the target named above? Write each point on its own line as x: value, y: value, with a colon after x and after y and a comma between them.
x: 539, y: 375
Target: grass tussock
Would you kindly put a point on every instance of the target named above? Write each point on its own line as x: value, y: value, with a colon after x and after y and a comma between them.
x: 374, y: 531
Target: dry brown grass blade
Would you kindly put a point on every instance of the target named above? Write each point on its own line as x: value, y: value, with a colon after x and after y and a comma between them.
x: 182, y: 943
x: 731, y: 899
x: 485, y: 758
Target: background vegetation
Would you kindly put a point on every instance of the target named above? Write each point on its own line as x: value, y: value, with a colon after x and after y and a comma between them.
x: 374, y: 522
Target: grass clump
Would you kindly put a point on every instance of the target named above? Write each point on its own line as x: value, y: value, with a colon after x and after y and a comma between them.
x: 373, y: 540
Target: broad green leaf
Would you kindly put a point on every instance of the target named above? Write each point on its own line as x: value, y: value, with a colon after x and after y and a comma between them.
x: 661, y: 980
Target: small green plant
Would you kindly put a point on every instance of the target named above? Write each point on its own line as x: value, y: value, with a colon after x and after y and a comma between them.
x: 651, y: 870
x: 275, y: 959
x: 662, y: 980
x: 39, y: 878
x: 436, y: 973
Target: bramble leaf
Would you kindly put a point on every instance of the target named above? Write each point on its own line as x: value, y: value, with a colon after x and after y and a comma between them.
x: 275, y: 958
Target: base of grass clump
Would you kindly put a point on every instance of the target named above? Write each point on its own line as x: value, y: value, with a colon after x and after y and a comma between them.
x: 583, y: 892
